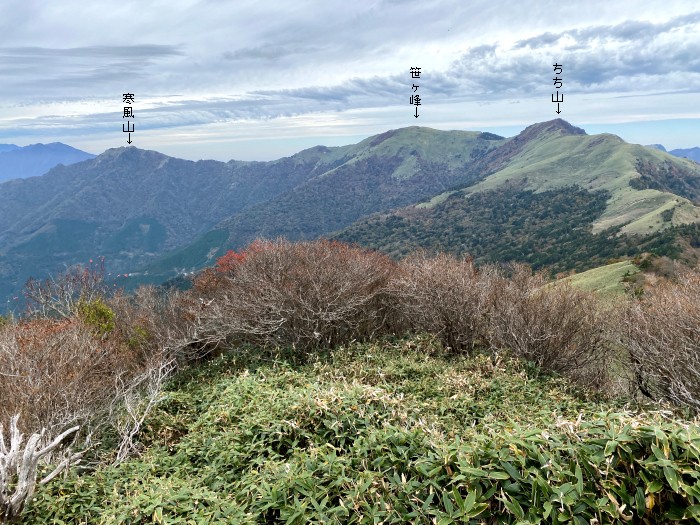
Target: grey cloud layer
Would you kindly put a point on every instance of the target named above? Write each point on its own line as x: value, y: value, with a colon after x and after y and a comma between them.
x: 63, y: 73
x: 622, y: 58
x: 255, y: 61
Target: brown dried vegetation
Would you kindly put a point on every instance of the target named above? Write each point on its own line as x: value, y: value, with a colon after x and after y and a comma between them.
x: 57, y: 372
x: 444, y: 296
x: 662, y: 334
x: 304, y: 295
x: 556, y: 326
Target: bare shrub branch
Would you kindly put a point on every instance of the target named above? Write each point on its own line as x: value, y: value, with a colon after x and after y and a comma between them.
x: 556, y: 326
x: 60, y: 295
x: 135, y: 401
x: 56, y: 372
x: 19, y: 466
x: 444, y: 296
x: 662, y: 334
x: 306, y: 294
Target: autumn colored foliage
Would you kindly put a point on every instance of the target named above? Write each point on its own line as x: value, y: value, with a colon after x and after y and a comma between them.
x: 228, y: 262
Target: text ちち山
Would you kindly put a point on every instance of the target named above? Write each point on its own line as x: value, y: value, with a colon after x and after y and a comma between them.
x: 558, y: 83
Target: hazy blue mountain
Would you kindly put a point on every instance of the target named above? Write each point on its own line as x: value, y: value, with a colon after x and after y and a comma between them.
x: 36, y: 159
x: 660, y: 147
x: 690, y: 153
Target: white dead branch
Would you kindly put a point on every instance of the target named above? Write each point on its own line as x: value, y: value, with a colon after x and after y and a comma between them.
x: 19, y: 467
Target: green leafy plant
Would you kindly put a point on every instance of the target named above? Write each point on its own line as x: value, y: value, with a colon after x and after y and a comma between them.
x: 397, y: 432
x: 98, y: 315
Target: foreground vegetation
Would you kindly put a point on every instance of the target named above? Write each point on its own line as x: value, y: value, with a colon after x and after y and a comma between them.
x: 318, y: 382
x: 392, y: 432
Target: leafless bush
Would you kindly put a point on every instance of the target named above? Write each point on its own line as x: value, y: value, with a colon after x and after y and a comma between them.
x: 60, y: 295
x: 558, y: 327
x: 151, y: 322
x: 662, y: 334
x: 60, y: 372
x: 305, y: 294
x: 444, y: 296
x: 57, y: 372
x: 75, y: 363
x: 19, y: 465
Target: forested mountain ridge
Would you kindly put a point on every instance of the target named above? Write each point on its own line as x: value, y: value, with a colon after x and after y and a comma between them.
x: 157, y: 216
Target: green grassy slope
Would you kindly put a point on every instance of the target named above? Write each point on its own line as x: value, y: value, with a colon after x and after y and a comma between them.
x: 520, y: 211
x: 605, y: 279
x: 601, y: 162
x: 642, y: 183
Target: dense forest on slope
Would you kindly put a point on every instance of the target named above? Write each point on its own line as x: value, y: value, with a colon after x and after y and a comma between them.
x: 550, y: 229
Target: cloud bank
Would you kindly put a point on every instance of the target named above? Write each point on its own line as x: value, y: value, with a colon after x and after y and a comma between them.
x: 217, y: 74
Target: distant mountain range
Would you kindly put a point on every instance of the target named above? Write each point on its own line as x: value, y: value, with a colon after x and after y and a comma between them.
x: 29, y: 161
x: 689, y: 153
x: 550, y: 196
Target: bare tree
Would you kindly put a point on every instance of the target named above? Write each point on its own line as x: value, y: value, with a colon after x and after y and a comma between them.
x: 60, y: 295
x: 58, y: 372
x: 153, y: 322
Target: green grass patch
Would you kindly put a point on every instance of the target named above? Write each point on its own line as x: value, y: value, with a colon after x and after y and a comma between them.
x: 598, y: 162
x: 608, y: 279
x: 396, y: 432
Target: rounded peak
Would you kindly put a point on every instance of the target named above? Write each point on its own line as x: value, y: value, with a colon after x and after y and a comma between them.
x: 556, y: 126
x: 131, y: 151
x: 129, y: 154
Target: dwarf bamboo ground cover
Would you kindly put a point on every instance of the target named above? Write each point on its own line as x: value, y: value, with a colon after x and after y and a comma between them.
x: 390, y: 432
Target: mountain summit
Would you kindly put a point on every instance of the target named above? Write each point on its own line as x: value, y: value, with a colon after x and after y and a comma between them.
x: 556, y: 197
x: 559, y: 127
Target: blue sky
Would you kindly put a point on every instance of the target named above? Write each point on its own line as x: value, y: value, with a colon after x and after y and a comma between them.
x: 258, y: 80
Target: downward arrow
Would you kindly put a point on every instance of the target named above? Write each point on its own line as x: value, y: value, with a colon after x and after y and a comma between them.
x: 416, y: 111
x: 129, y: 141
x: 558, y: 110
